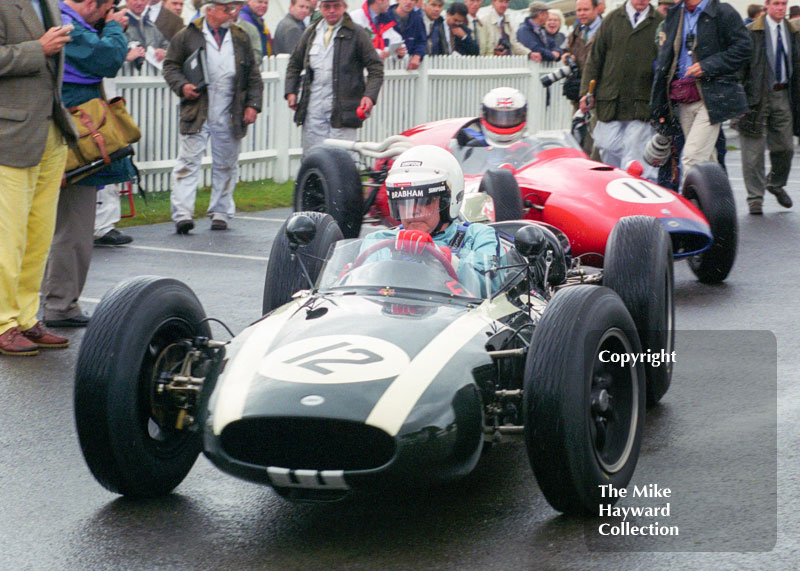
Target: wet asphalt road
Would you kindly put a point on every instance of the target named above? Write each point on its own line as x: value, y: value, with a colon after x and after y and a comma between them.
x: 712, y: 441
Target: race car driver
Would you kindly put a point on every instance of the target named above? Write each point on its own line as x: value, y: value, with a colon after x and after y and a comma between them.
x: 504, y: 115
x: 425, y: 188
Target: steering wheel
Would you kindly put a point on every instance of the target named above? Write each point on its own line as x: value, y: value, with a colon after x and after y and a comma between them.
x: 390, y: 243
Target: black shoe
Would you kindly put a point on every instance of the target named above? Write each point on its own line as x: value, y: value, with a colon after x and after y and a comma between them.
x: 756, y: 209
x: 80, y: 320
x: 783, y: 198
x: 183, y: 226
x: 219, y: 224
x: 113, y: 238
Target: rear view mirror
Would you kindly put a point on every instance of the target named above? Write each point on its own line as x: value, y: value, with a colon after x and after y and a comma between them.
x: 300, y: 231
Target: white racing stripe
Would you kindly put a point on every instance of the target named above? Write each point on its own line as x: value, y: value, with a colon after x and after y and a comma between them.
x: 394, y: 406
x: 242, y: 369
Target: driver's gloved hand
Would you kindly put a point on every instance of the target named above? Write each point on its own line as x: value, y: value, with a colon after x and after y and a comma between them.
x: 412, y: 241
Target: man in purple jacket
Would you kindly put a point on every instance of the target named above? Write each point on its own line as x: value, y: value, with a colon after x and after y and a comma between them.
x: 253, y: 12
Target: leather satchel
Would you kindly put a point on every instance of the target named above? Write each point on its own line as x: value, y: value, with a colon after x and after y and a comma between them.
x: 103, y: 128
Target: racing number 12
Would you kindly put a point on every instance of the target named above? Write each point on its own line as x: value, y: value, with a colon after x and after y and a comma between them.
x: 314, y: 364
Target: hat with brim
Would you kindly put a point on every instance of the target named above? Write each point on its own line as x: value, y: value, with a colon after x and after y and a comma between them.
x: 224, y: 2
x: 536, y: 7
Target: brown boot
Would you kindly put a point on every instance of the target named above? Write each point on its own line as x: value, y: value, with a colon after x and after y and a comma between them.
x: 44, y: 338
x: 13, y: 342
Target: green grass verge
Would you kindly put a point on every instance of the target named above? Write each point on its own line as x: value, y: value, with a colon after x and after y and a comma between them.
x: 249, y: 197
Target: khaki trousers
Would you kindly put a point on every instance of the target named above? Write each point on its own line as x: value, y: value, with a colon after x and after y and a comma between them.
x: 777, y: 137
x: 71, y: 253
x: 28, y: 199
x: 700, y: 135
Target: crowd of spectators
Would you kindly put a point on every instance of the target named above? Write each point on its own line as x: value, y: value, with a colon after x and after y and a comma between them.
x: 678, y: 68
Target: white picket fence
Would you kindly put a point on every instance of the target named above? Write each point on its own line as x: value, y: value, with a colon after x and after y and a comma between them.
x: 443, y: 87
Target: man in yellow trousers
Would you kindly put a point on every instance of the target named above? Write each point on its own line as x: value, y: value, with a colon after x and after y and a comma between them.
x: 34, y: 128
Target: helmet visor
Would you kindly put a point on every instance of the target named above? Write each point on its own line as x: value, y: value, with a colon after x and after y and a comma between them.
x: 407, y: 202
x: 505, y: 118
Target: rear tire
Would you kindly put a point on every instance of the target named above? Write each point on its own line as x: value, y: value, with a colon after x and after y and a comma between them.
x: 284, y: 275
x: 583, y: 418
x: 707, y: 185
x: 639, y: 266
x: 501, y: 185
x: 328, y: 181
x: 126, y: 434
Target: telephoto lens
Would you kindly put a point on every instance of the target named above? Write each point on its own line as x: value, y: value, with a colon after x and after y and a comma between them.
x: 561, y: 73
x: 658, y: 150
x: 553, y: 76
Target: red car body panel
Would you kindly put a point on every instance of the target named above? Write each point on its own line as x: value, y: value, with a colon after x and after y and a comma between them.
x: 584, y: 198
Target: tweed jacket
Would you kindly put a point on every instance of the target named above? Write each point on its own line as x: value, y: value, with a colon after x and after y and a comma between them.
x: 30, y: 85
x: 621, y: 61
x: 168, y: 23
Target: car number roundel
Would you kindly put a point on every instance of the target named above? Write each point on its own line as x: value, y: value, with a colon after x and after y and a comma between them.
x: 334, y: 359
x: 636, y: 190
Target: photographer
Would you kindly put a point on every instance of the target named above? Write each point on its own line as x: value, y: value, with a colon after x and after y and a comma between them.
x: 623, y: 83
x: 533, y: 35
x: 90, y: 56
x: 495, y: 36
x: 579, y: 44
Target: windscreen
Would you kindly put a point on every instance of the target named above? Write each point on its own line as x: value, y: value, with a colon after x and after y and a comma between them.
x: 374, y: 264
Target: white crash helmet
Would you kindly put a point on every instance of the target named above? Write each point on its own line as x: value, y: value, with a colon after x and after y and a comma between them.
x: 419, y: 176
x: 504, y: 114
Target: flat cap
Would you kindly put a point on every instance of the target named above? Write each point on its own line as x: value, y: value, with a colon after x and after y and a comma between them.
x: 536, y: 7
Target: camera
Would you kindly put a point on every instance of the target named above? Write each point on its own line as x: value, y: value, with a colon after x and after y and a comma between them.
x: 503, y: 46
x: 139, y: 61
x: 561, y: 73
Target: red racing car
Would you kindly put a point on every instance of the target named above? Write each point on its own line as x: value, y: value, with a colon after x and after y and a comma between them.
x: 543, y: 177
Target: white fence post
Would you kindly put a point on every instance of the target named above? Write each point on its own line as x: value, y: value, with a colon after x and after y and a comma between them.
x: 282, y: 122
x: 442, y: 87
x: 422, y: 103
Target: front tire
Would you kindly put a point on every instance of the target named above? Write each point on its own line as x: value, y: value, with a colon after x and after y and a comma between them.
x: 583, y: 417
x: 639, y: 266
x: 328, y: 181
x: 126, y: 432
x: 707, y: 185
x: 284, y: 275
